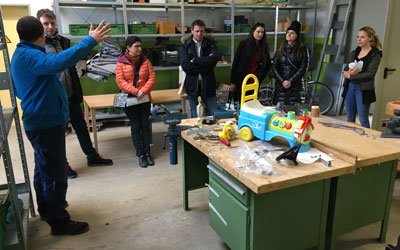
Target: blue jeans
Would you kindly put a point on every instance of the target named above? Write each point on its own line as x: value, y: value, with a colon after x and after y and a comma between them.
x: 50, y: 180
x: 354, y: 105
x: 79, y: 124
x: 210, y: 102
x: 139, y: 118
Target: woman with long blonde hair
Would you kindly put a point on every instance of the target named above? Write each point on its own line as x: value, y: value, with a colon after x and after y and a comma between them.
x: 359, y: 74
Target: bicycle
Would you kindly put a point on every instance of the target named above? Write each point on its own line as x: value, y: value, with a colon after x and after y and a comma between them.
x: 313, y: 94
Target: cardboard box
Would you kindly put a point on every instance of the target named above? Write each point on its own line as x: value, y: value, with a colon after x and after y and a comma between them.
x: 283, y: 24
x: 391, y: 107
x: 166, y: 27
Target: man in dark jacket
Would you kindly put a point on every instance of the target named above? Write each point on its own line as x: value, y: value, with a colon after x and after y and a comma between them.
x: 71, y: 83
x: 45, y: 111
x: 198, y: 56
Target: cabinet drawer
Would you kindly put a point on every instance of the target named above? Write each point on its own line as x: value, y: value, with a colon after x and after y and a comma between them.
x: 228, y: 216
x: 231, y: 184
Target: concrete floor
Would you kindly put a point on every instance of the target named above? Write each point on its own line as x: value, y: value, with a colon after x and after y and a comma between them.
x: 128, y: 207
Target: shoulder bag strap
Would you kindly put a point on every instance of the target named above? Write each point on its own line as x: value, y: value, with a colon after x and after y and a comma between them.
x: 291, y: 62
x: 136, y: 75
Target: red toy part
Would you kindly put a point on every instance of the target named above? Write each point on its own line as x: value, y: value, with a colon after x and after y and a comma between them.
x: 225, y: 142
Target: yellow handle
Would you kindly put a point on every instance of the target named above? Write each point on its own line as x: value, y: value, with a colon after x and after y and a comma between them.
x: 251, y: 86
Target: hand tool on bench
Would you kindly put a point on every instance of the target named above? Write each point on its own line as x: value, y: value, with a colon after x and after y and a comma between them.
x: 334, y: 124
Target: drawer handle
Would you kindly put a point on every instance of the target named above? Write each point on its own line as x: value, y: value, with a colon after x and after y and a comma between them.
x: 228, y: 182
x: 212, y: 190
x: 217, y: 213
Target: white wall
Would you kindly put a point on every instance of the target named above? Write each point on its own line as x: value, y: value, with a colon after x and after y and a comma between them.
x: 33, y: 6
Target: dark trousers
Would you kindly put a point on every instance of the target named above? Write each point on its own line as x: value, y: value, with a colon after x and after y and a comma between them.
x: 79, y: 124
x: 50, y: 180
x: 138, y: 116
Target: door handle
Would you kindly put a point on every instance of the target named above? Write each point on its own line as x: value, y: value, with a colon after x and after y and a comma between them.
x: 386, y: 71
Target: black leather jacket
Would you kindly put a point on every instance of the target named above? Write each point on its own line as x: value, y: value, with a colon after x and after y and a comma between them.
x: 203, y: 65
x: 290, y: 67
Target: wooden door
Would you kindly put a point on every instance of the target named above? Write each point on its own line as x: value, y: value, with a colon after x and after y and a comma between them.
x: 388, y: 89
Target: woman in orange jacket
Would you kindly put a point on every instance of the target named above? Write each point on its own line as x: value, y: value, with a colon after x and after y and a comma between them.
x: 135, y: 75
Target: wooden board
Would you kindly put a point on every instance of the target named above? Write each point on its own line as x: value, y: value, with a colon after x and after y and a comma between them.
x: 157, y: 97
x: 366, y: 149
x: 287, y: 175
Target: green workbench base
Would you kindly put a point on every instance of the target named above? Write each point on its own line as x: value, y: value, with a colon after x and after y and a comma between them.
x: 195, y: 174
x: 292, y: 218
x: 361, y: 199
x: 308, y: 216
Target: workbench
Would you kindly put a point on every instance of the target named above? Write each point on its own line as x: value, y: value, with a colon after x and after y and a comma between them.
x: 300, y: 207
x: 94, y: 102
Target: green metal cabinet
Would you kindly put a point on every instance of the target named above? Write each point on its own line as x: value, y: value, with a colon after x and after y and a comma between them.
x: 292, y: 218
x: 227, y: 215
x: 306, y: 216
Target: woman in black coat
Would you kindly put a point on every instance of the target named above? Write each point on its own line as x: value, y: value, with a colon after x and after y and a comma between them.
x: 359, y: 88
x: 251, y: 57
x: 289, y: 67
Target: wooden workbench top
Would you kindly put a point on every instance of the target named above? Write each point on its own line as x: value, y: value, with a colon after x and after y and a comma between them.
x: 157, y: 97
x: 365, y: 149
x: 348, y: 149
x: 287, y: 175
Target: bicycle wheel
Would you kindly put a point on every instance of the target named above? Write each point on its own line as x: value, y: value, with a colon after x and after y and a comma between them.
x: 319, y: 94
x: 265, y: 95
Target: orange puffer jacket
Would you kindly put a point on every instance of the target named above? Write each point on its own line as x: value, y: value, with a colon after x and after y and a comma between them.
x: 124, y: 72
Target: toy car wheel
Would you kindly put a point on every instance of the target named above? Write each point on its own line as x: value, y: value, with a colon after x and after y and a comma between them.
x: 246, y: 134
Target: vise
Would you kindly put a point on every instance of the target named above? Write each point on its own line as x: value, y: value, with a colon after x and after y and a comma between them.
x: 392, y: 124
x: 173, y: 134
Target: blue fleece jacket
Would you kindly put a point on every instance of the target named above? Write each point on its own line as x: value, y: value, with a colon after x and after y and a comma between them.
x: 43, y: 99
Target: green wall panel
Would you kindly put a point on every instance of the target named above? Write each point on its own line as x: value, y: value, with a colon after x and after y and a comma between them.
x: 92, y: 87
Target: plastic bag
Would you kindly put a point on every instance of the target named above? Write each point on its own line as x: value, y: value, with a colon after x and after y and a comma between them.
x: 256, y: 160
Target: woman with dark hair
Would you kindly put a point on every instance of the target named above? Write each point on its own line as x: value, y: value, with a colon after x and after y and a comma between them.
x: 135, y: 75
x: 289, y: 67
x: 359, y: 87
x: 251, y: 57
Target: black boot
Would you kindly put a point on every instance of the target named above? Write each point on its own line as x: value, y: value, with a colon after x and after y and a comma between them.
x: 143, y: 161
x: 150, y: 160
x: 70, y: 227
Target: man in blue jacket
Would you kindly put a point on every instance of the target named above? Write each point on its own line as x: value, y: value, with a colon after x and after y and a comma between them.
x: 55, y: 43
x: 45, y: 112
x: 198, y: 56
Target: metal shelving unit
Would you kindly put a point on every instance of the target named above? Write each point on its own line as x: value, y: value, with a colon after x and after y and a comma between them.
x: 127, y: 8
x: 16, y: 236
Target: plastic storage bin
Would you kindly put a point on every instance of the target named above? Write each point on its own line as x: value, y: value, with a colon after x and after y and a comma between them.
x: 83, y: 29
x: 142, y: 28
x: 79, y: 29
